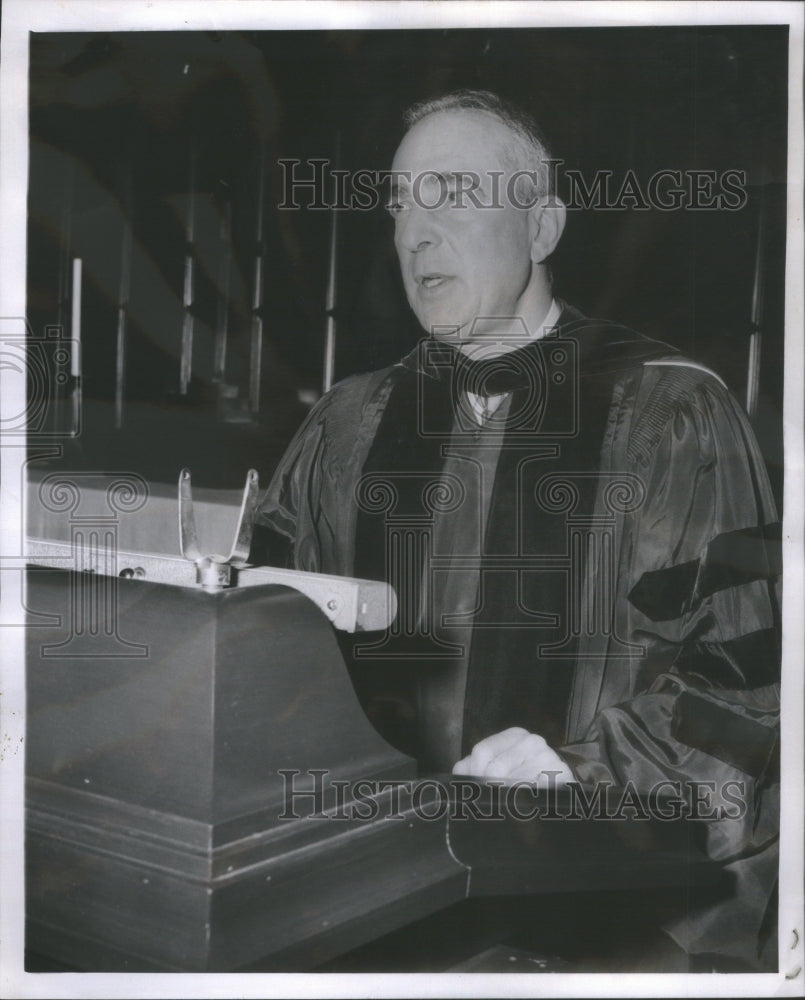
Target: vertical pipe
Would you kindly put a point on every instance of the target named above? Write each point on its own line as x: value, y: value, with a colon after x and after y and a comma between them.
x: 124, y: 292
x: 753, y: 371
x: 224, y: 265
x: 186, y: 362
x: 756, y: 336
x: 63, y: 392
x: 329, y: 306
x: 256, y: 346
x: 75, y: 336
x: 75, y: 320
x: 65, y: 241
x: 256, y: 352
x: 332, y: 272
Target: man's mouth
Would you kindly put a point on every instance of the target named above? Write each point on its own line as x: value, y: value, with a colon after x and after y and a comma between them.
x: 432, y: 280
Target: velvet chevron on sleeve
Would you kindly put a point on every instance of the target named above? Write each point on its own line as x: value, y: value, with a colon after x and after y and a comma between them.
x: 698, y: 591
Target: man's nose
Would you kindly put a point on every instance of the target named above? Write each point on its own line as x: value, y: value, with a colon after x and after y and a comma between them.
x: 417, y: 229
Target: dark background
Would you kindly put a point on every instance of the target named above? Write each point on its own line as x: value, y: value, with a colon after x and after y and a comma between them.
x: 121, y: 113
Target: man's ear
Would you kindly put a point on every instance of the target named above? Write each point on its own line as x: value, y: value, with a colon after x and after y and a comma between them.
x: 545, y: 227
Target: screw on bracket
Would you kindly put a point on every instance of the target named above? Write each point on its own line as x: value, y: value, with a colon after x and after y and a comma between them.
x: 214, y: 571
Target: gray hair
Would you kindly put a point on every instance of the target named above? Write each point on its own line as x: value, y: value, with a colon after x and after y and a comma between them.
x: 528, y: 149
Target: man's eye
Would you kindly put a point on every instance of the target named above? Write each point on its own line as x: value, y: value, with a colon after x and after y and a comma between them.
x: 394, y: 207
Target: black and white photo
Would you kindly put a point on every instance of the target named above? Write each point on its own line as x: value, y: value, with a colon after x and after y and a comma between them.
x: 402, y: 497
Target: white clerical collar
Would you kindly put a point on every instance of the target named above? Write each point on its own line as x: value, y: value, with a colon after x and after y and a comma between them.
x: 484, y: 406
x: 550, y: 321
x: 490, y: 346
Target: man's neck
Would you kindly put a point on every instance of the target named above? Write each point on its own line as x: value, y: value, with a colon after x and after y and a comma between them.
x: 495, y: 337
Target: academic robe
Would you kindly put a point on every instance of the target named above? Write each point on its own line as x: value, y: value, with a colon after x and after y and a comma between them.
x: 617, y: 586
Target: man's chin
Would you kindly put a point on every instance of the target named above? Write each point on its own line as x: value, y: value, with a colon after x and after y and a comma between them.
x: 448, y: 334
x: 443, y: 327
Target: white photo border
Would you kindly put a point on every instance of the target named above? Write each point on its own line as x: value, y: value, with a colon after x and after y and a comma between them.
x: 20, y: 17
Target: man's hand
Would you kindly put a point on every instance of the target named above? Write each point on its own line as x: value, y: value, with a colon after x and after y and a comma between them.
x: 515, y: 755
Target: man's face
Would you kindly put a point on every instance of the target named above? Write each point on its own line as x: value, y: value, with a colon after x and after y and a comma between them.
x: 464, y: 258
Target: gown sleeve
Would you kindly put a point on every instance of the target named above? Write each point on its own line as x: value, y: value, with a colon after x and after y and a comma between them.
x: 284, y: 532
x: 306, y: 519
x: 700, y: 707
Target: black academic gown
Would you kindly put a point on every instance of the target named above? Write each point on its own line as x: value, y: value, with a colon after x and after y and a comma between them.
x: 619, y: 562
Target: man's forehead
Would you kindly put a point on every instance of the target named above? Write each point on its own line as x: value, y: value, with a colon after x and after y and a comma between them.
x: 453, y: 140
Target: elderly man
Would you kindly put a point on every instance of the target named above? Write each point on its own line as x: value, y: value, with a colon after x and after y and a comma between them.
x: 575, y: 518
